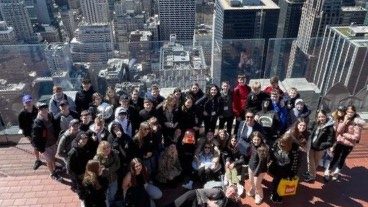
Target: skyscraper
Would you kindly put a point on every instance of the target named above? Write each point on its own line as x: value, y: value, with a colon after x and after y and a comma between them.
x: 343, y: 59
x: 316, y: 14
x: 15, y: 14
x: 233, y: 22
x: 95, y: 11
x: 44, y: 11
x: 93, y: 41
x: 289, y: 19
x: 7, y: 34
x: 352, y: 14
x: 177, y: 17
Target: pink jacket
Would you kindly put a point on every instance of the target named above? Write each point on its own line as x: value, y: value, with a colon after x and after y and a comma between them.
x: 349, y: 134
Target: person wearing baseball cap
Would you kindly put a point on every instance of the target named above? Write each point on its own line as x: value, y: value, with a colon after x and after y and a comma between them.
x: 45, y: 135
x: 25, y: 120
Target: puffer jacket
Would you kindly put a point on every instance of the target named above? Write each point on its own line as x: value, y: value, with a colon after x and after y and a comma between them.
x: 350, y: 134
x: 325, y: 135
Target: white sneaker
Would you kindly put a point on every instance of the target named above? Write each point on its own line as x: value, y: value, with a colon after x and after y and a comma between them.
x: 335, y: 174
x: 258, y: 199
x: 240, y: 189
x: 188, y: 185
x: 226, y: 181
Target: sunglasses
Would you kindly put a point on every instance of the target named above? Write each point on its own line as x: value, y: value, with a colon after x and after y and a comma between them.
x: 249, y: 117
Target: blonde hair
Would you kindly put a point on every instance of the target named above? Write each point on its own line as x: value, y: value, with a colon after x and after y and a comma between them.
x: 256, y: 85
x: 100, y: 149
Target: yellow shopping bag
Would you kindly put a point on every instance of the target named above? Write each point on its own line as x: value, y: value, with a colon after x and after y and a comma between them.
x: 288, y: 187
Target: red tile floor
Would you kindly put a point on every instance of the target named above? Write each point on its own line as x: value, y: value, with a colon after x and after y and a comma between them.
x: 20, y: 185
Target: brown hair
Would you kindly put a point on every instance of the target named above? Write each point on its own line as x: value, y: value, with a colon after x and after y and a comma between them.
x: 91, y: 174
x: 139, y: 135
x: 285, y: 143
x: 134, y: 173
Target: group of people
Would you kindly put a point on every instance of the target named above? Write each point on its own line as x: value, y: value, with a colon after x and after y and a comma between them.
x: 116, y: 149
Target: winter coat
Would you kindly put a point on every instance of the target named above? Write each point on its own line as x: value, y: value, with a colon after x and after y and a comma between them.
x: 168, y: 168
x: 83, y: 99
x: 78, y: 157
x: 282, y: 114
x: 322, y: 137
x: 227, y: 102
x: 25, y: 120
x: 95, y: 197
x: 187, y: 119
x: 111, y: 164
x: 155, y: 100
x: 40, y: 134
x: 350, y: 134
x: 278, y: 166
x: 255, y: 101
x: 256, y: 163
x: 240, y: 99
x: 65, y: 144
x: 63, y: 121
x: 244, y: 141
x: 54, y: 104
x: 295, y: 114
x: 232, y: 154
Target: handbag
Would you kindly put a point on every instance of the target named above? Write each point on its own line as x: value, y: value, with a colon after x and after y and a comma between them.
x: 287, y: 186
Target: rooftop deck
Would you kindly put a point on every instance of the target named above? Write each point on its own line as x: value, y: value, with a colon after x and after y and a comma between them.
x: 21, y: 186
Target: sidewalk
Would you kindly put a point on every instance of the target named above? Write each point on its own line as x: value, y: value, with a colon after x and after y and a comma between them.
x: 20, y: 185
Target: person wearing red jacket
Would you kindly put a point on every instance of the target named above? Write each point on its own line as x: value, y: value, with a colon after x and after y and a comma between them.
x: 240, y: 95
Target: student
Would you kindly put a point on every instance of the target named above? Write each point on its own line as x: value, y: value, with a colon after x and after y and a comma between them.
x: 56, y: 99
x: 349, y: 132
x: 110, y: 161
x: 257, y: 166
x: 45, y: 134
x: 83, y: 98
x: 225, y: 197
x: 25, y: 120
x: 240, y: 94
x: 284, y: 156
x: 94, y: 185
x: 322, y: 137
x: 227, y: 115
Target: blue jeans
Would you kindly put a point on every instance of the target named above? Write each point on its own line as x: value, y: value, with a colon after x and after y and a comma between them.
x: 111, y: 192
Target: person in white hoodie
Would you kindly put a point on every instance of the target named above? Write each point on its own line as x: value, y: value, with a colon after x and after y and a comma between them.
x: 122, y: 118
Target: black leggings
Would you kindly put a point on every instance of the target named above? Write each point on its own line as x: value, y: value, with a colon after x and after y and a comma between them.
x: 340, y: 153
x: 229, y: 123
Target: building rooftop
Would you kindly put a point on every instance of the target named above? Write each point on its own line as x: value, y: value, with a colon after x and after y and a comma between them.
x: 248, y: 4
x: 352, y: 8
x: 356, y: 34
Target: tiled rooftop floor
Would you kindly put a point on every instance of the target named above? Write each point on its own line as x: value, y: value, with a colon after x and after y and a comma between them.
x: 21, y: 186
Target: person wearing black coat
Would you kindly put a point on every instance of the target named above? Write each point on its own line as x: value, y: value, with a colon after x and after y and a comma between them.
x: 45, y: 135
x: 227, y: 115
x: 322, y: 137
x: 168, y: 117
x: 256, y: 97
x: 94, y: 185
x: 25, y: 120
x: 135, y: 101
x: 285, y: 162
x: 77, y: 159
x: 123, y: 144
x: 198, y: 98
x: 83, y: 98
x: 148, y: 111
x: 212, y: 108
x: 188, y: 118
